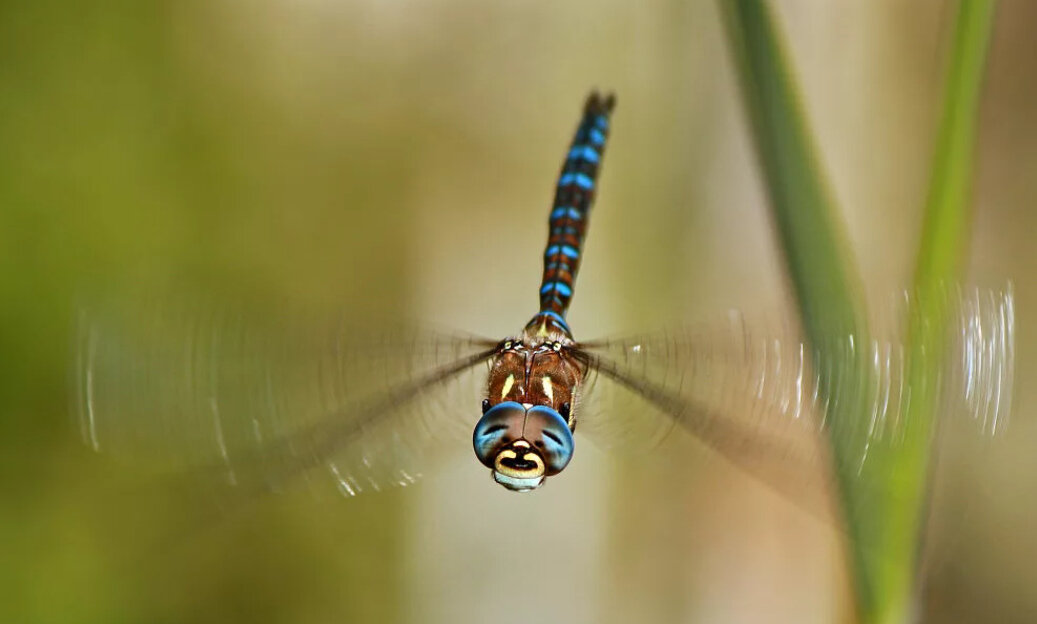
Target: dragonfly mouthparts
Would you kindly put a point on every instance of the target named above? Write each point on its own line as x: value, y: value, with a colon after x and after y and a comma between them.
x: 519, y: 468
x: 518, y: 485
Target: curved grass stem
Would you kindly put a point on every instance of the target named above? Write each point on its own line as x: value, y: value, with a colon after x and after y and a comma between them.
x: 884, y: 531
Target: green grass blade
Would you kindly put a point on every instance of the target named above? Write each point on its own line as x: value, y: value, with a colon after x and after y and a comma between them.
x: 948, y: 214
x: 807, y: 220
x: 819, y: 263
x: 903, y: 467
x: 940, y: 260
x: 884, y: 531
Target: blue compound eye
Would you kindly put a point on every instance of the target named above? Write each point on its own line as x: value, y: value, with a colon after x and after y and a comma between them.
x: 499, y: 426
x: 550, y: 435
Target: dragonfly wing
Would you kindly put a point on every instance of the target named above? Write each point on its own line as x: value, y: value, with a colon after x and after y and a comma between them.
x: 750, y: 399
x: 749, y: 392
x: 265, y: 403
x: 727, y: 378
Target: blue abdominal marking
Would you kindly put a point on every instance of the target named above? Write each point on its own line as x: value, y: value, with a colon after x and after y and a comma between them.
x: 561, y: 287
x: 586, y: 152
x: 565, y: 211
x: 581, y: 180
x: 567, y: 250
x: 557, y: 318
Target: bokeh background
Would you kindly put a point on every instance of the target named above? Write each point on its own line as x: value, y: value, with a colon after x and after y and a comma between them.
x: 396, y: 155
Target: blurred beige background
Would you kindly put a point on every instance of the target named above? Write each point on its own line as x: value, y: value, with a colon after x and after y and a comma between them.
x: 401, y: 155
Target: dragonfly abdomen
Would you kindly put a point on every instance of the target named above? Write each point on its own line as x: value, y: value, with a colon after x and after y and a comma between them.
x: 573, y: 199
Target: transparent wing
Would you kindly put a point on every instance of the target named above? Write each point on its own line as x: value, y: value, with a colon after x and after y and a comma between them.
x: 743, y: 390
x: 748, y: 391
x: 261, y: 402
x: 719, y: 380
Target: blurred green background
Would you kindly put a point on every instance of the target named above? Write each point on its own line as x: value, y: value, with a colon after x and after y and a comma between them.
x: 399, y: 155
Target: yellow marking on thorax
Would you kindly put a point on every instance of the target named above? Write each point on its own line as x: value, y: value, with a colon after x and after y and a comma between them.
x: 543, y: 328
x: 545, y: 381
x: 508, y: 383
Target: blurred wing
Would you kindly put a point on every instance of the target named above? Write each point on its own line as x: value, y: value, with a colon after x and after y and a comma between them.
x: 263, y: 403
x: 749, y: 392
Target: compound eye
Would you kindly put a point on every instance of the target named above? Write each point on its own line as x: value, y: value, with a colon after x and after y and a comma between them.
x: 550, y: 433
x: 499, y: 425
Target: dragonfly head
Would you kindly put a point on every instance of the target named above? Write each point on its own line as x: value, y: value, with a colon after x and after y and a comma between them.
x: 522, y: 444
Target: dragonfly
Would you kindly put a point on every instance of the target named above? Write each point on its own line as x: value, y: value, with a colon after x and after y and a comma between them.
x: 264, y: 402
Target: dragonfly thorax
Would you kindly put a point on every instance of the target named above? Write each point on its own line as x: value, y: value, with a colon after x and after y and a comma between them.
x: 535, y: 371
x: 525, y: 434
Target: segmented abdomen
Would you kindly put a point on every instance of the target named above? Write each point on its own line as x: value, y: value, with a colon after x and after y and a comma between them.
x: 573, y: 199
